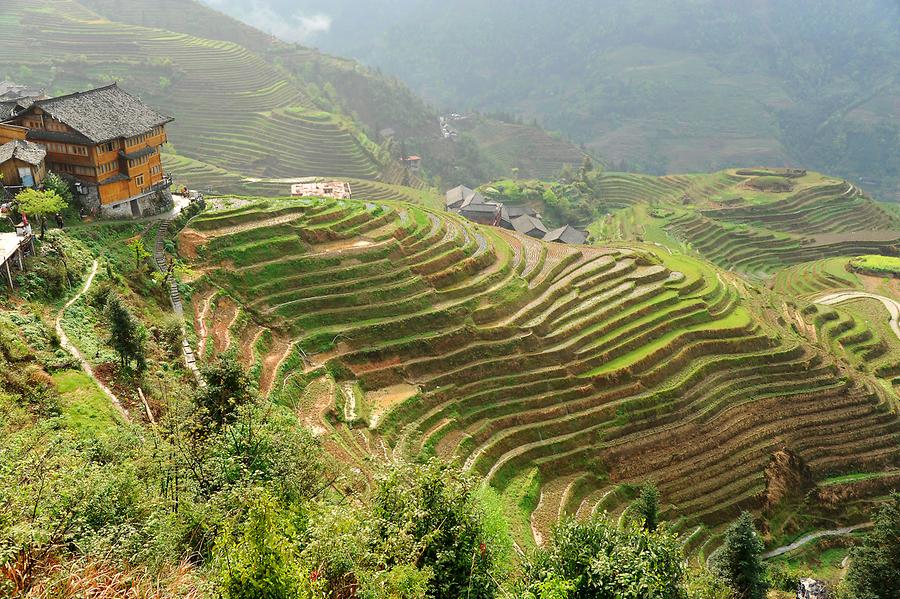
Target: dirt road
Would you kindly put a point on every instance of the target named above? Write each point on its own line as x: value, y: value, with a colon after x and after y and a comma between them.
x: 836, y: 532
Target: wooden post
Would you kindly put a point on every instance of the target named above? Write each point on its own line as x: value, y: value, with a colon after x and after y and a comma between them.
x: 8, y: 274
x: 21, y: 260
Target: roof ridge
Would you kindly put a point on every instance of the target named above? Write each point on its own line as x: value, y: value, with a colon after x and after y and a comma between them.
x: 79, y: 93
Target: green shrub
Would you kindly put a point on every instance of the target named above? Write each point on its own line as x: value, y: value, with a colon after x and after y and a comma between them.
x: 596, y: 559
x: 258, y: 558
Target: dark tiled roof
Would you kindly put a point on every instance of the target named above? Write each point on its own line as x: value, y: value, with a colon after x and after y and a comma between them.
x: 510, y: 212
x: 103, y: 114
x: 139, y: 154
x: 22, y: 150
x: 566, y: 234
x: 457, y: 195
x: 528, y: 224
x: 479, y: 208
x: 6, y: 109
x: 61, y: 136
x: 115, y: 178
x: 474, y: 199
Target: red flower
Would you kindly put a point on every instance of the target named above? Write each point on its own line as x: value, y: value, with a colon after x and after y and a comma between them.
x: 483, y: 548
x: 314, y: 575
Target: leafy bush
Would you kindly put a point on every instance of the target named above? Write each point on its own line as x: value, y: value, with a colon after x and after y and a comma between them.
x: 595, y: 559
x: 426, y: 514
x: 257, y: 558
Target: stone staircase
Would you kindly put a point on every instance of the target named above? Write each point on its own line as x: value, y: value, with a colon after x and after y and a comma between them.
x: 159, y: 257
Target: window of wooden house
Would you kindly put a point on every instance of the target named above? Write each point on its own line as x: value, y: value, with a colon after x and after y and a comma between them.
x: 139, y: 180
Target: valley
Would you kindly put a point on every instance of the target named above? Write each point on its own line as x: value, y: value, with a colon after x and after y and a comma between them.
x: 252, y: 345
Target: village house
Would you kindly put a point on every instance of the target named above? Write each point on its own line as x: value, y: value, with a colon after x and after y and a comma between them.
x: 22, y: 165
x: 413, y: 163
x: 456, y: 197
x: 522, y: 219
x: 529, y: 225
x: 509, y: 212
x: 472, y: 205
x: 104, y: 141
x: 338, y: 190
x: 566, y: 234
x: 486, y: 213
x: 10, y: 90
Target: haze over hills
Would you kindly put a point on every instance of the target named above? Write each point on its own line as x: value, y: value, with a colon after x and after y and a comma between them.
x: 248, y: 104
x: 666, y: 87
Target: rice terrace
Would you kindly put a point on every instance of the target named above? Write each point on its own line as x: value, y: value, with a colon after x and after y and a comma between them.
x: 578, y: 371
x: 272, y: 325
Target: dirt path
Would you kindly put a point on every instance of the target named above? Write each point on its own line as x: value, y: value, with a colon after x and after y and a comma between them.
x: 893, y: 306
x: 812, y: 537
x: 70, y: 347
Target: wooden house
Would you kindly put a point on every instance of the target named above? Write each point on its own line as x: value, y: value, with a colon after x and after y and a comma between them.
x: 22, y: 164
x: 105, y: 141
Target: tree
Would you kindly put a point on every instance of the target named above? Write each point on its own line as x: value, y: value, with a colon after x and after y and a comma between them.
x: 738, y: 561
x: 55, y: 183
x: 227, y: 388
x: 875, y: 566
x: 426, y: 514
x: 39, y: 204
x: 136, y: 245
x: 127, y: 334
x: 586, y: 167
x: 596, y: 559
x: 258, y: 558
x: 647, y: 506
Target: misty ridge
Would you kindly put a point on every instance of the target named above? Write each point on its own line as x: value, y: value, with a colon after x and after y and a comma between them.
x: 656, y: 86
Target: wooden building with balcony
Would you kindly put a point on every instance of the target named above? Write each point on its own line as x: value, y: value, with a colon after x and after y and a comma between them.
x: 105, y: 141
x: 22, y: 165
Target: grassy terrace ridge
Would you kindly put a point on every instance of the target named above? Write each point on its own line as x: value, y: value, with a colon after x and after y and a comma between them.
x: 886, y: 266
x: 396, y: 329
x: 749, y: 220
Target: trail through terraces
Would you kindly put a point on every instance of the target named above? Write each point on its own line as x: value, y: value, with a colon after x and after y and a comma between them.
x: 70, y: 347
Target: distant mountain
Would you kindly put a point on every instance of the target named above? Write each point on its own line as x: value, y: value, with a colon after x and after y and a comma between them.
x: 247, y: 105
x: 664, y: 86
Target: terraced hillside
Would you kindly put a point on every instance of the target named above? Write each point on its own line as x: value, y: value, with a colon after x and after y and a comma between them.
x: 214, y: 180
x: 395, y: 330
x: 529, y: 150
x: 733, y: 219
x: 233, y: 108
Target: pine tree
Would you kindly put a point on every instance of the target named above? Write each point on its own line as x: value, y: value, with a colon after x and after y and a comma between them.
x: 127, y: 335
x: 875, y: 566
x: 738, y: 561
x: 648, y: 506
